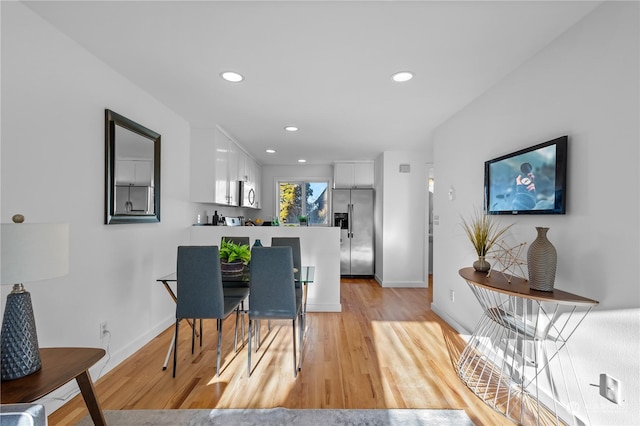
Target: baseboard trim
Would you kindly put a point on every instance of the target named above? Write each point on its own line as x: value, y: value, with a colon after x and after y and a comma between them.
x: 404, y: 284
x: 324, y: 307
x: 449, y: 320
x: 63, y: 394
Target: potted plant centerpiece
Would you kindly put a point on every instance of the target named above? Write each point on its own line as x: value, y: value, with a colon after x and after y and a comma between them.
x: 303, y: 220
x: 483, y: 231
x: 233, y: 257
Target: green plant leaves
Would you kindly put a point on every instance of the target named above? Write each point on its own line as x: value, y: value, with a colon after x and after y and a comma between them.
x: 230, y: 251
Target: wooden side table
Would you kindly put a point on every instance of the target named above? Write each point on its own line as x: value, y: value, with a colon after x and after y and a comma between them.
x: 59, y: 366
x: 517, y: 360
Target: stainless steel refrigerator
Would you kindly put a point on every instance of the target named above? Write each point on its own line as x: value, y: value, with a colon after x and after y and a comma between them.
x: 353, y: 214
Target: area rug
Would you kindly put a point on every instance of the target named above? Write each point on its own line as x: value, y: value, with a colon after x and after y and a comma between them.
x: 283, y: 416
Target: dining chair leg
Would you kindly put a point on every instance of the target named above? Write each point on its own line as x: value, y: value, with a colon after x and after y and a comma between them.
x: 295, y: 364
x: 235, y: 337
x: 256, y: 333
x: 249, y: 351
x: 242, y: 320
x: 175, y: 347
x: 304, y: 308
x: 193, y: 336
x: 219, y: 327
x: 200, y: 332
x: 302, y: 329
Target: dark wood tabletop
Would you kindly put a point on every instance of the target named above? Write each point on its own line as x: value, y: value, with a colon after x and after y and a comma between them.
x: 520, y: 287
x: 59, y: 366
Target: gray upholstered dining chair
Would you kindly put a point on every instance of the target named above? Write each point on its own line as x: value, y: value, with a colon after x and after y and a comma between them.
x: 274, y: 295
x: 294, y: 243
x: 200, y: 294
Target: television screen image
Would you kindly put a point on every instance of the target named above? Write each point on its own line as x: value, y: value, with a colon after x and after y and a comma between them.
x: 529, y: 181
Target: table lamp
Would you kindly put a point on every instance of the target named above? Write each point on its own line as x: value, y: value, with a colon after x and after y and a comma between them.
x: 30, y: 252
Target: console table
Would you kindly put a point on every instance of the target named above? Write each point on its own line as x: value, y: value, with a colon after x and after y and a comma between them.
x: 59, y: 366
x: 517, y: 359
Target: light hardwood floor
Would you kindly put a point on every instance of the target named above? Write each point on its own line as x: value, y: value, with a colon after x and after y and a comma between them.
x: 386, y: 349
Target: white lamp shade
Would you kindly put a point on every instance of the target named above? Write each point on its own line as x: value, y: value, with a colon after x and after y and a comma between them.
x: 34, y: 251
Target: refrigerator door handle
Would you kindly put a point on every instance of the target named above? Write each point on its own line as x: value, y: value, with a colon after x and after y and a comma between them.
x: 350, y: 234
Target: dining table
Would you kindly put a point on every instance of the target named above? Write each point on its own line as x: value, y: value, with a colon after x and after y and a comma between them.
x: 307, y: 276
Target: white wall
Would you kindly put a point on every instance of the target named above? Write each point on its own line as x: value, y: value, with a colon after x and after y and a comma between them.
x: 53, y: 99
x: 401, y: 236
x: 586, y: 85
x: 378, y: 216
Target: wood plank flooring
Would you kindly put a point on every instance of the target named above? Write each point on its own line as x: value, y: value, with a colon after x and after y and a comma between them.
x: 386, y: 349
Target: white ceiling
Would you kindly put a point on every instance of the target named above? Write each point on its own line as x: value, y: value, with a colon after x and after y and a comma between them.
x: 323, y: 66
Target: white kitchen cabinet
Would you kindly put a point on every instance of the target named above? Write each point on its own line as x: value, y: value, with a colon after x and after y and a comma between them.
x: 214, y: 167
x: 134, y: 172
x: 247, y: 167
x: 221, y: 169
x: 353, y: 174
x: 226, y: 164
x: 257, y: 179
x: 133, y: 200
x: 249, y: 175
x: 244, y: 166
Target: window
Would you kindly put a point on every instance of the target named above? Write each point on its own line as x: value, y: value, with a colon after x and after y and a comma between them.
x: 302, y: 198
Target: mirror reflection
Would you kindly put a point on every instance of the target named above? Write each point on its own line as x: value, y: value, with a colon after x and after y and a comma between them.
x: 133, y: 171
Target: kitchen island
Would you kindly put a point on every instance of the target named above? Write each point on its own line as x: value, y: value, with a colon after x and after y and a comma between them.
x: 319, y: 247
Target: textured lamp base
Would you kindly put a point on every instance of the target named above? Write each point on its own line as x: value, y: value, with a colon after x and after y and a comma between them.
x: 20, y: 351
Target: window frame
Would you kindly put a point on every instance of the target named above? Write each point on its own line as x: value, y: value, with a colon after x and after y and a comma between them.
x: 303, y: 181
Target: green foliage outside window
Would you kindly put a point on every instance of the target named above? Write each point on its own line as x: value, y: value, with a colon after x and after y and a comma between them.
x: 301, y: 199
x: 290, y: 202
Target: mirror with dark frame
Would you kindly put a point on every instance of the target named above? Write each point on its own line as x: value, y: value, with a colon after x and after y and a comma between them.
x: 132, y: 171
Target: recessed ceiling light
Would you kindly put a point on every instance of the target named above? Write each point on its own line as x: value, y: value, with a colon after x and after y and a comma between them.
x: 271, y: 151
x: 291, y: 129
x: 402, y: 76
x: 231, y: 76
x: 302, y: 160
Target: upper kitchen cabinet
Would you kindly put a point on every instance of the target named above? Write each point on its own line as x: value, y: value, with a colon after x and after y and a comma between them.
x: 243, y: 166
x: 226, y: 184
x: 214, y: 167
x: 250, y: 180
x: 134, y: 172
x: 353, y: 174
x: 258, y: 181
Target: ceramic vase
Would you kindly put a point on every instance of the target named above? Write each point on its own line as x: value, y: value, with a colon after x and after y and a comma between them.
x: 481, y: 265
x: 541, y: 261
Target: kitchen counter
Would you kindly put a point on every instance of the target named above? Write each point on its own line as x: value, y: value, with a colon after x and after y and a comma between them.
x: 319, y: 247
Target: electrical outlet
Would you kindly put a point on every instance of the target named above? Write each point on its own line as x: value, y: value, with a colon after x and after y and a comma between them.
x: 452, y: 295
x: 103, y: 330
x: 610, y: 388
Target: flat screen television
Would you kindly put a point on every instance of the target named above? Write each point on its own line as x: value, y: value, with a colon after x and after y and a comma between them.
x: 529, y: 181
